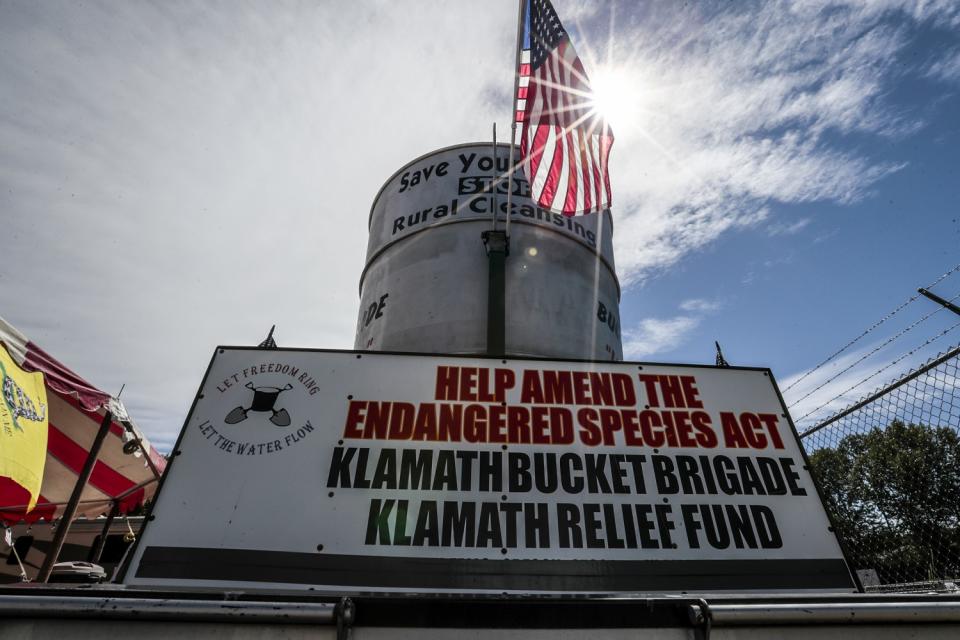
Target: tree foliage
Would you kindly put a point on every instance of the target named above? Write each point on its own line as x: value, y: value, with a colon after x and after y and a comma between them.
x: 894, y: 494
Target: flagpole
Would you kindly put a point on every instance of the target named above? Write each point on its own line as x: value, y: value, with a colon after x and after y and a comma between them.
x: 497, y: 243
x: 497, y: 247
x: 513, y: 110
x: 493, y: 176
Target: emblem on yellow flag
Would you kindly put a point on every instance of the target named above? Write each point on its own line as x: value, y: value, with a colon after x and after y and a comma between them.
x: 23, y: 426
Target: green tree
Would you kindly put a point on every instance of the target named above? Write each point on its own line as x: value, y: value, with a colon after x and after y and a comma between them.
x: 894, y: 494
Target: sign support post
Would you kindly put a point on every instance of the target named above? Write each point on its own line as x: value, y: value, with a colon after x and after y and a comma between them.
x: 98, y: 549
x: 497, y: 244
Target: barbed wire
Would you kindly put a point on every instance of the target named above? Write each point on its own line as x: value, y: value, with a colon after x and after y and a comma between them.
x: 876, y: 349
x: 871, y: 328
x: 879, y: 371
x: 896, y: 519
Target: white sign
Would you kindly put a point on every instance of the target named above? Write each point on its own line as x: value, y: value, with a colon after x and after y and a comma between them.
x: 377, y: 472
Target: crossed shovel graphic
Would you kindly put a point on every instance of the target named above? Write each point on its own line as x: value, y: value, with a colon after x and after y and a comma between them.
x: 264, y: 399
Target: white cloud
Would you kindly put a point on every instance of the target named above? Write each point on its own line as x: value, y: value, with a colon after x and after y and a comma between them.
x: 732, y: 110
x: 173, y: 177
x: 946, y: 67
x: 788, y: 229
x: 700, y: 305
x: 825, y: 236
x: 655, y: 335
x: 658, y: 335
x: 776, y: 262
x: 820, y: 394
x: 851, y: 377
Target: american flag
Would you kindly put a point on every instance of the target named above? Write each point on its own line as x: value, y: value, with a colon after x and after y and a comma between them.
x: 564, y: 142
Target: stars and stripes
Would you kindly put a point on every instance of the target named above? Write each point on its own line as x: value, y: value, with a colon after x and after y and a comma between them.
x: 564, y: 142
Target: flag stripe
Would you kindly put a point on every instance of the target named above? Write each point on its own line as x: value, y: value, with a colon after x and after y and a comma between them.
x: 564, y: 145
x: 587, y: 202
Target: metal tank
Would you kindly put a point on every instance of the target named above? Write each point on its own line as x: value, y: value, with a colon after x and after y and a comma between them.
x: 424, y: 283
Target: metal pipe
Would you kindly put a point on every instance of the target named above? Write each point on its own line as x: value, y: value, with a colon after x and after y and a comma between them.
x: 120, y: 496
x: 513, y: 108
x: 183, y: 610
x: 53, y: 606
x: 498, y: 248
x: 493, y: 176
x: 102, y: 540
x: 71, y: 509
x: 945, y: 303
x: 831, y: 613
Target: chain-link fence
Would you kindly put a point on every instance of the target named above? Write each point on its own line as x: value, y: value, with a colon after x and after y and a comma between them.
x: 889, y: 466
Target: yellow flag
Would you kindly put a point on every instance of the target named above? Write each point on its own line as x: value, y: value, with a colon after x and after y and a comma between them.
x: 23, y: 426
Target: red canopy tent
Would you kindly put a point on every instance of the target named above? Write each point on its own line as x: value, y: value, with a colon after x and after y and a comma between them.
x: 127, y: 467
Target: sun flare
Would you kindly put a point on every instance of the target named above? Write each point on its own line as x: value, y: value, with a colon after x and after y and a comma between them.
x: 615, y: 96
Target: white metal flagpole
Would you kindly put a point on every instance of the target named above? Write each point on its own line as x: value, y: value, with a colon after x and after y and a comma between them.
x: 513, y: 110
x: 493, y: 176
x: 497, y: 243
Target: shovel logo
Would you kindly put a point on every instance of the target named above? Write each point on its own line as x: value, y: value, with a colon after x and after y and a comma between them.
x: 264, y: 401
x: 242, y: 408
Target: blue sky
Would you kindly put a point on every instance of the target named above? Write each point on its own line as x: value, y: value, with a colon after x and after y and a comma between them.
x: 876, y: 103
x: 785, y: 173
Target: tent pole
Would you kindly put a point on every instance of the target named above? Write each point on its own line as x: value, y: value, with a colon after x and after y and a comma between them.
x: 71, y: 510
x: 146, y: 455
x: 98, y: 550
x: 143, y: 448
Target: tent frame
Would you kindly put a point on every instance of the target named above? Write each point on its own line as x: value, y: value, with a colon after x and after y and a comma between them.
x: 70, y: 512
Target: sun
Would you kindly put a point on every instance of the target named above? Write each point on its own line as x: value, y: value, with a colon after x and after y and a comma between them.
x: 616, y: 96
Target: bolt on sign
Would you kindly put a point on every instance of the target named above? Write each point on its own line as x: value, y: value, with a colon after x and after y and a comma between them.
x: 346, y: 471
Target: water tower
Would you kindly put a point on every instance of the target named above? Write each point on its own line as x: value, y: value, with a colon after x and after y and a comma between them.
x: 425, y: 280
